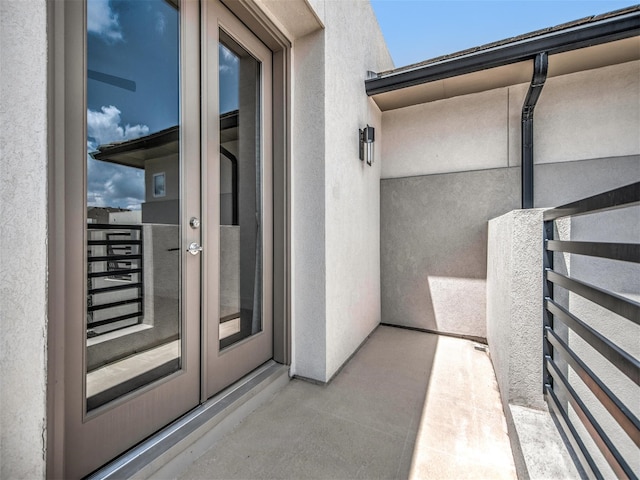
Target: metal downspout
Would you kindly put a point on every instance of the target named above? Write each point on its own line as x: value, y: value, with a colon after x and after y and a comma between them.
x: 540, y: 65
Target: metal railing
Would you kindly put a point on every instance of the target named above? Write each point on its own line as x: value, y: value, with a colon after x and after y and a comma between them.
x: 115, y: 277
x: 569, y: 367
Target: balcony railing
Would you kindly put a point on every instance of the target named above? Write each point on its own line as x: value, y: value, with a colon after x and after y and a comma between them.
x: 115, y: 277
x: 595, y: 423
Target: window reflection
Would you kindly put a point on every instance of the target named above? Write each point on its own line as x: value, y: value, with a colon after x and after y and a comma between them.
x: 133, y: 195
x: 240, y: 194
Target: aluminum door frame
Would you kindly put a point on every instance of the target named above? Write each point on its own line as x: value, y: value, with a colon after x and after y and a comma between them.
x: 81, y: 441
x: 221, y: 368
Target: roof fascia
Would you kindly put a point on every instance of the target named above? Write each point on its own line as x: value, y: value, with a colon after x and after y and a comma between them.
x: 596, y: 33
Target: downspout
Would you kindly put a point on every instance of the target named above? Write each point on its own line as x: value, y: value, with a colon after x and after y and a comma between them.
x: 540, y: 65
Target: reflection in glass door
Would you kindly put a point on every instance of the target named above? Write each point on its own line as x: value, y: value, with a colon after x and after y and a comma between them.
x: 240, y: 194
x: 130, y: 326
x: 239, y: 208
x: 133, y: 197
x: 148, y: 331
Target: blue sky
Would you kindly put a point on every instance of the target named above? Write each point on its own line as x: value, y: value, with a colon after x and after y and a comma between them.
x: 135, y: 44
x: 417, y: 30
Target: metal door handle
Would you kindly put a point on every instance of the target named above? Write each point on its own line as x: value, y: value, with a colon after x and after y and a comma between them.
x: 194, y: 248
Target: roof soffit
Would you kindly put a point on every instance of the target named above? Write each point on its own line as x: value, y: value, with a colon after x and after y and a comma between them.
x: 572, y: 61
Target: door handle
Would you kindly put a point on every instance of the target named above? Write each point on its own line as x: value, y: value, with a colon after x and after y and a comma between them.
x: 194, y: 248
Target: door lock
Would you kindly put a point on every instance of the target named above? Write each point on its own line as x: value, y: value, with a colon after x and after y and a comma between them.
x: 194, y: 248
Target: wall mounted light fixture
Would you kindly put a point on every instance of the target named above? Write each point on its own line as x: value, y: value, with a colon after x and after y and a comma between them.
x: 367, y: 137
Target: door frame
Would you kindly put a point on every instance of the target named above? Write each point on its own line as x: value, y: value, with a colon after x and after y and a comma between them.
x: 66, y: 78
x: 252, y: 15
x: 68, y: 420
x: 221, y: 368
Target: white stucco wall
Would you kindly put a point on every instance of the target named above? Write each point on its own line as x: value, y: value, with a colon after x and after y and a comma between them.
x: 354, y: 45
x: 581, y: 116
x: 23, y: 238
x: 336, y: 206
x: 454, y: 135
x: 584, y: 115
x: 308, y: 262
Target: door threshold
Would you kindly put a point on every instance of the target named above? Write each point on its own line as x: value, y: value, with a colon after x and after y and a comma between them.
x: 170, y: 451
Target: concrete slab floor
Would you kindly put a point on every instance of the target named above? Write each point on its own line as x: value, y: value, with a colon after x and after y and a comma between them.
x: 408, y: 405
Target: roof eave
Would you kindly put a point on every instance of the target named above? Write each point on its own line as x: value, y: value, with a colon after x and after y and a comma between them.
x: 590, y: 34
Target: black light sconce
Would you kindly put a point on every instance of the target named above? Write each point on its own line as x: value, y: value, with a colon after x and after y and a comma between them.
x: 367, y: 137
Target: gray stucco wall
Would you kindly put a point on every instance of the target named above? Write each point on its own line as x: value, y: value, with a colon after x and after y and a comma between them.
x: 434, y: 247
x: 335, y: 204
x: 23, y: 238
x: 586, y: 142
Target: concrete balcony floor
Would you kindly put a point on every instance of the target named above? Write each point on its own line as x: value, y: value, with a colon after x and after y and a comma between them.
x: 407, y: 405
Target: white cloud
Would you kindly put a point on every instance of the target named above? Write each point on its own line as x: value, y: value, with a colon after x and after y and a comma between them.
x: 228, y: 55
x: 102, y: 21
x: 227, y: 59
x: 108, y: 184
x: 104, y: 127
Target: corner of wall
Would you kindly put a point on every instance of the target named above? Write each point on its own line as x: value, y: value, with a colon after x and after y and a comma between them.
x: 308, y: 214
x: 514, y: 306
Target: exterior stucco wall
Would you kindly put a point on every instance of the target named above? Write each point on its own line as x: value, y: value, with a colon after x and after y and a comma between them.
x: 308, y: 261
x: 455, y: 135
x: 352, y: 188
x: 585, y: 142
x: 581, y: 116
x: 433, y: 247
x: 336, y: 207
x: 23, y: 238
x: 514, y: 305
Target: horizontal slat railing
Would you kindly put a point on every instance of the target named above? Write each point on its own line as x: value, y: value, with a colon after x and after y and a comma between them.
x: 622, y: 197
x: 623, y: 306
x: 114, y: 273
x: 558, y: 351
x: 602, y: 440
x: 99, y: 323
x: 115, y: 255
x: 626, y: 252
x: 574, y: 439
x: 115, y: 288
x: 618, y: 410
x: 624, y: 362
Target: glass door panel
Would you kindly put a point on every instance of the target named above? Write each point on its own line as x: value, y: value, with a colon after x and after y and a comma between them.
x: 133, y: 325
x: 238, y: 207
x: 240, y: 193
x: 131, y: 318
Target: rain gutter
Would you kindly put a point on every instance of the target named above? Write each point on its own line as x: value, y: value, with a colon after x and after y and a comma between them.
x: 591, y: 33
x: 540, y: 66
